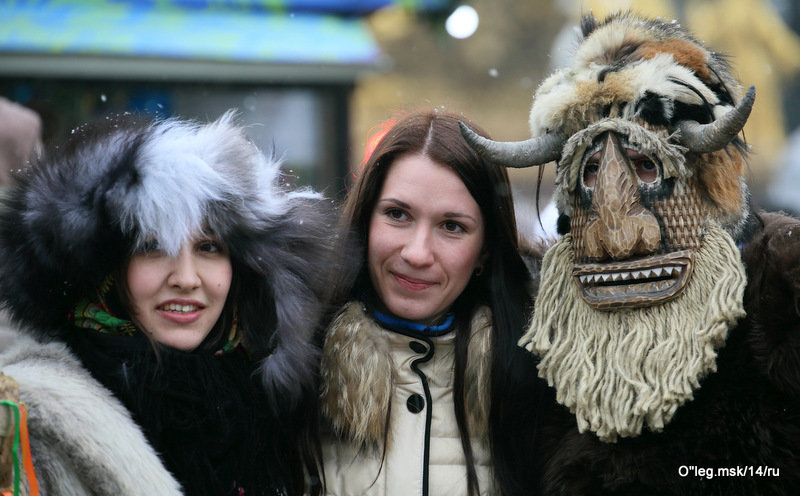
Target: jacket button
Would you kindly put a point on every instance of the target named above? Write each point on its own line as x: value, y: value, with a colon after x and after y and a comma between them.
x: 415, y: 403
x: 417, y: 347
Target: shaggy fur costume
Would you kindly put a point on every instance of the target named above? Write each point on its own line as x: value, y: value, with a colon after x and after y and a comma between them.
x: 737, y: 431
x: 744, y: 417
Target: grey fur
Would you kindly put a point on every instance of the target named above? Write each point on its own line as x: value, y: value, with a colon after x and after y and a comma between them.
x: 83, y: 441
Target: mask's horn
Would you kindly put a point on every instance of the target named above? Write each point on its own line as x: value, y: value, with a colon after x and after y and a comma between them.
x: 518, y: 154
x: 705, y: 138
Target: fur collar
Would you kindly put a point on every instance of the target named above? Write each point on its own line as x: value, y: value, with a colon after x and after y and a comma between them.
x: 358, y: 375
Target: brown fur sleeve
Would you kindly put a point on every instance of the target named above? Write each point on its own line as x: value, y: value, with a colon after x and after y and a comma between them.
x: 772, y: 300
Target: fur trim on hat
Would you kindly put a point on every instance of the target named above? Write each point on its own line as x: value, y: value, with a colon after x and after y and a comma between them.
x: 648, y: 66
x: 80, y: 212
x: 630, y: 72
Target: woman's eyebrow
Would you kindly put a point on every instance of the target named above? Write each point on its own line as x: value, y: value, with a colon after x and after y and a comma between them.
x: 460, y: 215
x: 397, y: 202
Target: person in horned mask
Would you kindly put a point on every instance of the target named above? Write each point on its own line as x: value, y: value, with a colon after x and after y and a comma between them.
x: 665, y: 323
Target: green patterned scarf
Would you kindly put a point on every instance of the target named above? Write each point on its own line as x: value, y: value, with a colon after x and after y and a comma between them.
x: 95, y: 314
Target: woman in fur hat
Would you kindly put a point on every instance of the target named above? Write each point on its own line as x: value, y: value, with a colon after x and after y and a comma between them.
x: 167, y: 256
x: 425, y: 338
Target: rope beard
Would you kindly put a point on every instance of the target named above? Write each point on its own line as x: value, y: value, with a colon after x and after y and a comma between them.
x: 617, y: 370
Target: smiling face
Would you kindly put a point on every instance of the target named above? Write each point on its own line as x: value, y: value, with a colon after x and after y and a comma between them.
x: 425, y: 239
x: 177, y: 300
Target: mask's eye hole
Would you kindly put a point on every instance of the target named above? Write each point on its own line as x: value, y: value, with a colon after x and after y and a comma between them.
x: 590, y: 170
x: 646, y: 169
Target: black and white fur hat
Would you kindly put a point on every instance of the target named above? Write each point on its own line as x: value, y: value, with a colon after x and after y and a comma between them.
x: 76, y: 216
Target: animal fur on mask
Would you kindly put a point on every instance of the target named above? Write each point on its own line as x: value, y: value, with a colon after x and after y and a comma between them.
x: 79, y: 214
x: 652, y: 75
x: 648, y: 74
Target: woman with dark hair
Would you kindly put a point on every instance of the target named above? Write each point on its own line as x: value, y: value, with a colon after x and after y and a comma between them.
x: 186, y: 279
x: 423, y: 346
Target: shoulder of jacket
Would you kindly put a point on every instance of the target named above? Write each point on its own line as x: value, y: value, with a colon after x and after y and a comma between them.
x: 356, y: 376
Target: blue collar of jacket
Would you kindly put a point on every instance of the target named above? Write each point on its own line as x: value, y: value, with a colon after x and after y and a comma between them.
x: 398, y: 324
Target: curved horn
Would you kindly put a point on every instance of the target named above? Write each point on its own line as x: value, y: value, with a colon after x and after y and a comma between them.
x: 518, y: 154
x: 704, y: 138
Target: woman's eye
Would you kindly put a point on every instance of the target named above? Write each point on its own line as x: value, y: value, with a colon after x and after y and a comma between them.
x: 453, y: 227
x: 209, y: 246
x: 395, y: 214
x: 647, y: 171
x: 590, y: 173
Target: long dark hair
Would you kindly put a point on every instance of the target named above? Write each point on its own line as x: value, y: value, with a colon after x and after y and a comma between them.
x: 502, y: 285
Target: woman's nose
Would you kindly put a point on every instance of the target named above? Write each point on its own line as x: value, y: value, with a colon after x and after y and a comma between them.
x: 418, y: 251
x: 183, y: 273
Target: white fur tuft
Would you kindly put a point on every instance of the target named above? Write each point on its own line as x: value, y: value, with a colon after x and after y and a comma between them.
x: 184, y: 167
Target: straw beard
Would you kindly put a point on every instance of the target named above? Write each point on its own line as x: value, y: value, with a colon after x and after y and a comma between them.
x: 616, y: 370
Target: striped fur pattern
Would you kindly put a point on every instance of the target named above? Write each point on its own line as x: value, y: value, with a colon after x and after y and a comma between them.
x: 651, y: 74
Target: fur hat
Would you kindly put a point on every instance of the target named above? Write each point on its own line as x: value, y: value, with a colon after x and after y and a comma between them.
x: 675, y: 98
x: 643, y: 70
x: 654, y: 76
x: 77, y: 215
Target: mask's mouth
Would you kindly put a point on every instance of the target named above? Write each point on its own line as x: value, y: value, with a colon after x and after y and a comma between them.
x: 635, y: 283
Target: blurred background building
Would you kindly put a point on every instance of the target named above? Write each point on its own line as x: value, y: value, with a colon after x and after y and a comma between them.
x: 316, y: 78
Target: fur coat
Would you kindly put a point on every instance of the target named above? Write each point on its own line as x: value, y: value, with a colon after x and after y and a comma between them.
x: 740, y: 435
x: 83, y: 441
x: 205, y: 413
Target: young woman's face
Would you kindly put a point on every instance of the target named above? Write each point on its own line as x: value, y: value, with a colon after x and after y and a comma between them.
x: 177, y: 300
x: 425, y: 239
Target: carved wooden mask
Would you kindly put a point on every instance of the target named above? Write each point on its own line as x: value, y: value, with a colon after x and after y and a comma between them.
x: 635, y: 221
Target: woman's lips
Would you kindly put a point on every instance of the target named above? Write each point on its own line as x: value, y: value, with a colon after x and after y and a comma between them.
x: 410, y: 283
x: 181, y: 312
